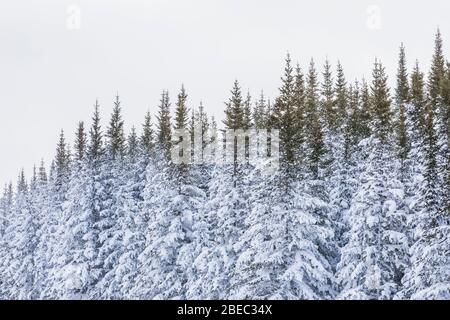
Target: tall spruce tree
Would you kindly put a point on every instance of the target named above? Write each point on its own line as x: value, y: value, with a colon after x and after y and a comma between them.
x: 402, y: 98
x: 284, y: 116
x: 316, y: 149
x: 181, y: 110
x: 328, y: 96
x: 80, y: 142
x: 380, y: 103
x: 147, y: 136
x: 437, y: 72
x: 164, y: 123
x: 234, y: 111
x: 115, y: 132
x: 341, y: 96
x: 418, y: 101
x: 95, y: 148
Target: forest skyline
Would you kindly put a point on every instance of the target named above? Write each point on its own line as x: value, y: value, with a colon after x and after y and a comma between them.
x: 130, y: 47
x: 219, y: 114
x: 359, y: 208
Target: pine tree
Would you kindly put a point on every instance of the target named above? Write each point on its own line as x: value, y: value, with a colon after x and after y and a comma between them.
x: 445, y: 142
x: 22, y: 267
x: 418, y: 101
x: 147, y: 134
x: 115, y: 133
x: 164, y: 125
x: 80, y: 142
x: 259, y: 112
x: 328, y: 97
x: 62, y: 161
x: 247, y: 119
x: 284, y: 118
x: 181, y: 111
x: 95, y: 148
x: 380, y: 103
x: 316, y: 146
x: 402, y: 90
x: 353, y: 123
x: 427, y: 277
x: 437, y: 71
x: 365, y: 112
x: 234, y: 111
x: 402, y: 99
x: 299, y: 97
x: 132, y: 144
x: 341, y: 95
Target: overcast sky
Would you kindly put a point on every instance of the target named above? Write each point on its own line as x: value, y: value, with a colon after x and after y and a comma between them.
x: 57, y: 57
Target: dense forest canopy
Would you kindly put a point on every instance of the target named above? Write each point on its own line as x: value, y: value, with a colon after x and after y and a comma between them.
x: 358, y: 209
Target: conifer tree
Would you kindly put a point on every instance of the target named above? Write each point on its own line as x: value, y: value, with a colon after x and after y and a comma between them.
x: 284, y: 116
x: 437, y: 71
x: 445, y: 142
x: 402, y: 99
x: 365, y: 112
x: 427, y: 277
x: 418, y: 101
x: 247, y: 118
x: 61, y: 160
x: 259, y: 112
x: 351, y: 134
x: 95, y: 148
x: 147, y: 134
x: 402, y: 90
x: 299, y: 97
x: 328, y: 97
x: 341, y: 95
x: 132, y: 144
x: 234, y: 111
x: 316, y: 145
x: 80, y: 142
x: 164, y: 123
x: 380, y: 103
x: 115, y: 133
x: 42, y: 173
x: 181, y: 111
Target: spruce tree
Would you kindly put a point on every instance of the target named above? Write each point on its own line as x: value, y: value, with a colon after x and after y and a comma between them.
x: 299, y: 97
x: 80, y: 142
x: 437, y: 71
x: 115, y: 132
x: 234, y: 111
x: 95, y: 148
x: 402, y: 90
x: 418, y: 101
x: 402, y: 99
x: 147, y: 136
x: 284, y: 117
x: 316, y: 146
x: 380, y: 103
x: 259, y: 112
x: 328, y: 97
x: 132, y: 144
x: 42, y: 173
x: 247, y: 119
x: 164, y: 123
x: 365, y: 112
x: 61, y: 161
x: 181, y: 110
x: 341, y: 96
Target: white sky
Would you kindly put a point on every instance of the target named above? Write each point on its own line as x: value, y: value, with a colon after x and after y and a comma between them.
x: 51, y: 74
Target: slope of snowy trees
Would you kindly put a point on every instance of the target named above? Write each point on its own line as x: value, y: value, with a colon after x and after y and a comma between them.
x: 358, y: 209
